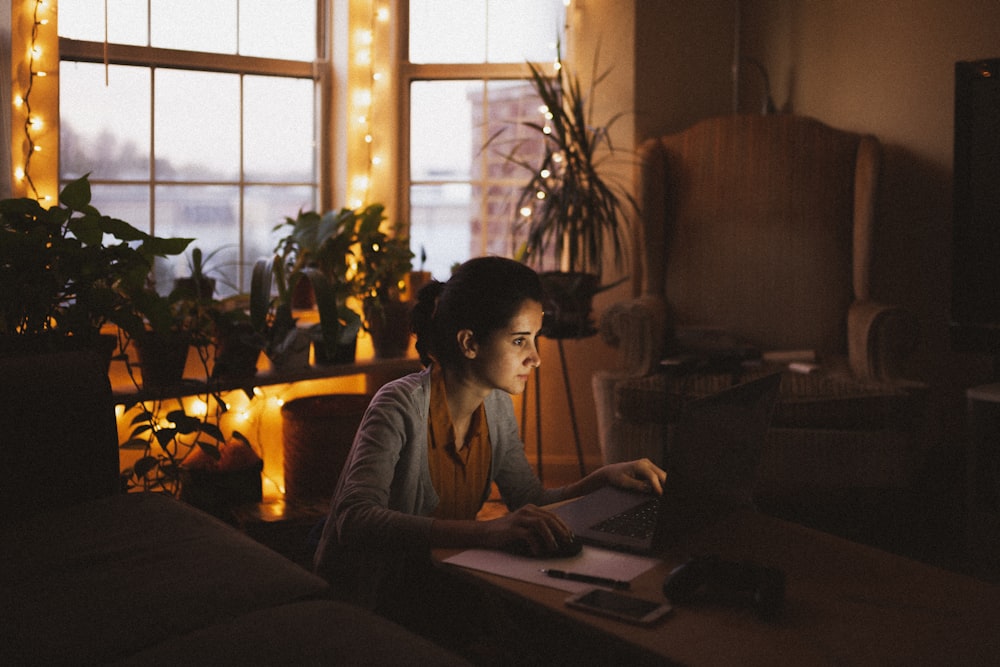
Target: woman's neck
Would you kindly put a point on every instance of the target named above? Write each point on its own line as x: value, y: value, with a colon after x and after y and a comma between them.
x: 464, y: 395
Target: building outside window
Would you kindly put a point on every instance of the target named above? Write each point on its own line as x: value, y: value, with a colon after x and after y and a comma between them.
x: 194, y: 119
x: 463, y: 80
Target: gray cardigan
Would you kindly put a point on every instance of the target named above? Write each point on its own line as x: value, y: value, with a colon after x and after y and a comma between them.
x: 384, y: 498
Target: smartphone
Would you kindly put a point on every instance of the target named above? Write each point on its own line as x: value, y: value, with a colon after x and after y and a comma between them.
x: 620, y: 606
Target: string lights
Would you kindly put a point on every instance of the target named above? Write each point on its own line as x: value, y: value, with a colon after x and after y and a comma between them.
x: 368, y: 81
x: 34, y: 103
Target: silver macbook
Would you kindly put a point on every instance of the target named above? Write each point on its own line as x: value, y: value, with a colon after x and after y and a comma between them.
x: 711, y: 462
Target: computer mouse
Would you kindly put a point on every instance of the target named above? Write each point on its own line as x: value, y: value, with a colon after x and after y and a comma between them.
x: 564, y: 549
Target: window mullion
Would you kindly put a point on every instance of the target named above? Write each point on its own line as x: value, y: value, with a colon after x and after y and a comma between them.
x: 125, y: 54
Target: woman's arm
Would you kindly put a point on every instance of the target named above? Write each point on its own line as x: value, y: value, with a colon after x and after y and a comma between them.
x: 639, y: 475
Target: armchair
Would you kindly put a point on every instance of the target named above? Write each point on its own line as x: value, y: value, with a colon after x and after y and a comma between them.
x: 761, y: 227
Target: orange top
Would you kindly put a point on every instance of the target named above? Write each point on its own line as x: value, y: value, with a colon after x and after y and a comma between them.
x: 460, y: 476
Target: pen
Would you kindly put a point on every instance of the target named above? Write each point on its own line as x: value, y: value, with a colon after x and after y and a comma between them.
x: 587, y: 579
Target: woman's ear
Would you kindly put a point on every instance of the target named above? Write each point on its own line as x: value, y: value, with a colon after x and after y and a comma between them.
x: 467, y: 343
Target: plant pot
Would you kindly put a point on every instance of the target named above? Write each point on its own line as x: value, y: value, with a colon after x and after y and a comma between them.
x: 217, y: 491
x: 317, y: 433
x: 236, y: 352
x: 344, y: 353
x: 292, y: 353
x: 346, y: 349
x: 197, y: 289
x: 389, y: 326
x: 162, y: 357
x: 415, y: 280
x: 569, y: 298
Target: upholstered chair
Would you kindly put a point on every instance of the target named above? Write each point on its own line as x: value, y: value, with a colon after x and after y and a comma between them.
x: 756, y: 234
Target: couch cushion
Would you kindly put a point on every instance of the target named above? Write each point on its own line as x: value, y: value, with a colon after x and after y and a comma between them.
x: 104, y: 579
x: 315, y: 632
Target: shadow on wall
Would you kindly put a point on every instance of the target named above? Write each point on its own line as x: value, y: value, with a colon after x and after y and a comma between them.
x: 912, y: 263
x: 912, y: 267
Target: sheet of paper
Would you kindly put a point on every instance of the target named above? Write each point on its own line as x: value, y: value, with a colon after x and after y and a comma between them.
x: 592, y: 560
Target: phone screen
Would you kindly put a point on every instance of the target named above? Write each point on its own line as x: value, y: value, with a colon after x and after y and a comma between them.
x: 617, y: 605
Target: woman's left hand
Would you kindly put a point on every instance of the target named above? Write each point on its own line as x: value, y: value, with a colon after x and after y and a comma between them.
x: 638, y: 475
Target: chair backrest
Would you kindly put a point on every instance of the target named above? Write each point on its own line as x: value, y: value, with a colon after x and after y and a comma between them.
x: 760, y: 225
x: 58, y: 436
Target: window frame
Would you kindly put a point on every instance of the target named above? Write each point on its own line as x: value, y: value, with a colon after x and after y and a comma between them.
x: 410, y: 73
x: 317, y: 70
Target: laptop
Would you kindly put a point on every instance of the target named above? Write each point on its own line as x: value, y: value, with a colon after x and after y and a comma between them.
x: 711, y: 462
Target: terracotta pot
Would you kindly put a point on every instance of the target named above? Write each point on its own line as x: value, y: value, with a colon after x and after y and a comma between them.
x: 317, y: 433
x: 162, y: 357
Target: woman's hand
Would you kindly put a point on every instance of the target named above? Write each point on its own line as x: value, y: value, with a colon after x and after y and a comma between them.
x: 638, y: 475
x: 541, y: 530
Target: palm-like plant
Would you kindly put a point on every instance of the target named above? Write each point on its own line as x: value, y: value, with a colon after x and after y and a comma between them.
x: 568, y: 205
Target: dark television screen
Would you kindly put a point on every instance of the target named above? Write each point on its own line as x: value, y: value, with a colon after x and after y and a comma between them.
x: 975, y: 302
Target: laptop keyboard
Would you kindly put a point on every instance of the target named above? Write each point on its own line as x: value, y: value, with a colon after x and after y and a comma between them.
x: 639, y: 521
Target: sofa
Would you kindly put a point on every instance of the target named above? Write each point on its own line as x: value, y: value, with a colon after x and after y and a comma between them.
x: 93, y: 576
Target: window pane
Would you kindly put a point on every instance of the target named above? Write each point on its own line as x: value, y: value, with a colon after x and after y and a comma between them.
x: 442, y: 138
x: 447, y: 31
x: 279, y: 134
x: 267, y: 207
x: 84, y: 19
x: 521, y: 30
x: 479, y: 31
x: 210, y: 215
x: 104, y: 130
x: 439, y: 217
x: 285, y: 29
x: 451, y: 126
x: 197, y: 125
x: 125, y: 202
x: 194, y: 25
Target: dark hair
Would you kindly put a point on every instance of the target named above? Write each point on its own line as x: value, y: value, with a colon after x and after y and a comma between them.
x: 482, y: 295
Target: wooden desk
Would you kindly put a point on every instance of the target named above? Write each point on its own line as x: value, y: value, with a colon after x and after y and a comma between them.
x: 846, y: 604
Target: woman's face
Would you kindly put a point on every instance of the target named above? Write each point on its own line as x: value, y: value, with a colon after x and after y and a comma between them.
x: 505, y: 360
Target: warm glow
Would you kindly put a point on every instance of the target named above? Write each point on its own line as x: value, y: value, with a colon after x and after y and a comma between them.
x: 35, y: 171
x: 369, y: 81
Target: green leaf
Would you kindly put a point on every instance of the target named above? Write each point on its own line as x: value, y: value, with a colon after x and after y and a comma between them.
x: 76, y: 194
x: 145, y: 465
x: 212, y: 430
x: 165, y: 436
x: 211, y: 450
x: 134, y: 444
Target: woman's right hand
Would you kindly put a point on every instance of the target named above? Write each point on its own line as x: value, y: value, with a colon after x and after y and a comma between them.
x: 541, y: 530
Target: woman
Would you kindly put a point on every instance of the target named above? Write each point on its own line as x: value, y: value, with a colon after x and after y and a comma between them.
x: 432, y: 443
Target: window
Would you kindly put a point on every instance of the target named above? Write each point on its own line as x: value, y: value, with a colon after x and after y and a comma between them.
x: 199, y: 119
x: 463, y: 80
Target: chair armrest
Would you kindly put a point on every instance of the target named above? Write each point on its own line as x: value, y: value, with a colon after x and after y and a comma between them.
x: 638, y: 329
x: 880, y: 338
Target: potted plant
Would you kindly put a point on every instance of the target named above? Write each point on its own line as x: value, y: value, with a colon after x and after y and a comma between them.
x: 203, y: 276
x: 282, y: 340
x: 318, y: 251
x: 171, y: 324
x: 67, y: 270
x: 568, y: 210
x: 190, y: 456
x: 383, y: 265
